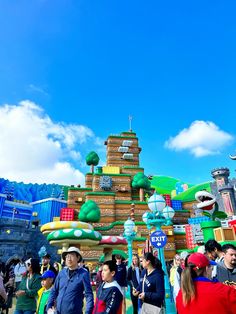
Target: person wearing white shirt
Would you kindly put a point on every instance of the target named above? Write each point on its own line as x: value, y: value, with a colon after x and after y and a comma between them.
x: 19, y: 270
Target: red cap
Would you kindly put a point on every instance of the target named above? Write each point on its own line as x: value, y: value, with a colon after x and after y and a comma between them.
x: 200, y: 260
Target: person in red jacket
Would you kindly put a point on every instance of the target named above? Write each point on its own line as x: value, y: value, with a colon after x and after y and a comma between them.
x: 199, y: 294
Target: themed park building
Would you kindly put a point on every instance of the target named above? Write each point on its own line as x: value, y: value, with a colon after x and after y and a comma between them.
x: 110, y: 187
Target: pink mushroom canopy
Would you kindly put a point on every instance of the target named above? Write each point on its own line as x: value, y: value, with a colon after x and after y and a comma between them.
x: 108, y: 241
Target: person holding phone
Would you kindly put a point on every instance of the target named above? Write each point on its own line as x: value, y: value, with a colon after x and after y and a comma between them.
x: 151, y: 289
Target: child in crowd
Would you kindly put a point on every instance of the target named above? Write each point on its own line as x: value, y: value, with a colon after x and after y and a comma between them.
x: 43, y: 294
x: 109, y: 295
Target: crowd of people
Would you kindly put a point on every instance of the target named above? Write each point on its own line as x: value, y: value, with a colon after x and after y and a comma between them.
x: 202, y: 282
x: 205, y: 282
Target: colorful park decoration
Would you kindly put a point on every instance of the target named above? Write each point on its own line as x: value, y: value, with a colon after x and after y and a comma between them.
x: 89, y: 212
x: 57, y: 225
x: 113, y: 189
x: 109, y: 243
x: 82, y: 233
x: 206, y: 202
x: 79, y: 233
x: 117, y: 187
x: 74, y: 236
x: 66, y: 233
x: 141, y: 182
x: 92, y: 160
x: 208, y: 229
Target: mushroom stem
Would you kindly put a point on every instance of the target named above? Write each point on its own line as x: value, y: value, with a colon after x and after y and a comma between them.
x: 107, y: 254
x: 65, y: 247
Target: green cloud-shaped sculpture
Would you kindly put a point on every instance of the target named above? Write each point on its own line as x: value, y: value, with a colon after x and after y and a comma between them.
x: 89, y: 212
x: 141, y: 181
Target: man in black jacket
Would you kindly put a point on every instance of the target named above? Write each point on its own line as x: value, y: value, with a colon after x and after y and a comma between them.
x: 121, y: 277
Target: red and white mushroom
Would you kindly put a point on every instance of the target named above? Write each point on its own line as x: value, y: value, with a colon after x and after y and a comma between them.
x: 112, y: 241
x: 109, y: 243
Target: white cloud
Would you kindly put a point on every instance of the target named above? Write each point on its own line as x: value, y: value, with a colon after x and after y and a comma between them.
x: 35, y: 149
x: 202, y: 138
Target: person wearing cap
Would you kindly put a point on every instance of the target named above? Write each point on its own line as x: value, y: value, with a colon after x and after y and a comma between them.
x: 47, y: 279
x: 199, y: 294
x: 28, y: 288
x: 46, y: 264
x: 70, y: 286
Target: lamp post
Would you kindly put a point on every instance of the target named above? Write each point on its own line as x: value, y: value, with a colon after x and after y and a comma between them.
x: 160, y: 215
x: 129, y: 235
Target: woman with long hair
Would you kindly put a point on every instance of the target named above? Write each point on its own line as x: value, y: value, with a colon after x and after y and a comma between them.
x: 57, y: 267
x: 151, y: 289
x: 134, y: 275
x: 199, y: 294
x: 173, y: 270
x: 28, y: 288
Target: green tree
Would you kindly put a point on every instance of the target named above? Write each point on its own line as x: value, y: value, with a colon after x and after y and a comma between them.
x: 89, y: 212
x: 92, y: 160
x: 141, y: 182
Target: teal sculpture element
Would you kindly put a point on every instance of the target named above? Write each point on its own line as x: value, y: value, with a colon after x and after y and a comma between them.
x: 42, y: 252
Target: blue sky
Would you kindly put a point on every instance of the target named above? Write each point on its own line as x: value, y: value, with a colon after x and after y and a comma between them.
x: 72, y: 71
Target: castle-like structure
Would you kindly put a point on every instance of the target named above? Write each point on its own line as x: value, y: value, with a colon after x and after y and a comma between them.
x: 224, y: 190
x: 110, y: 187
